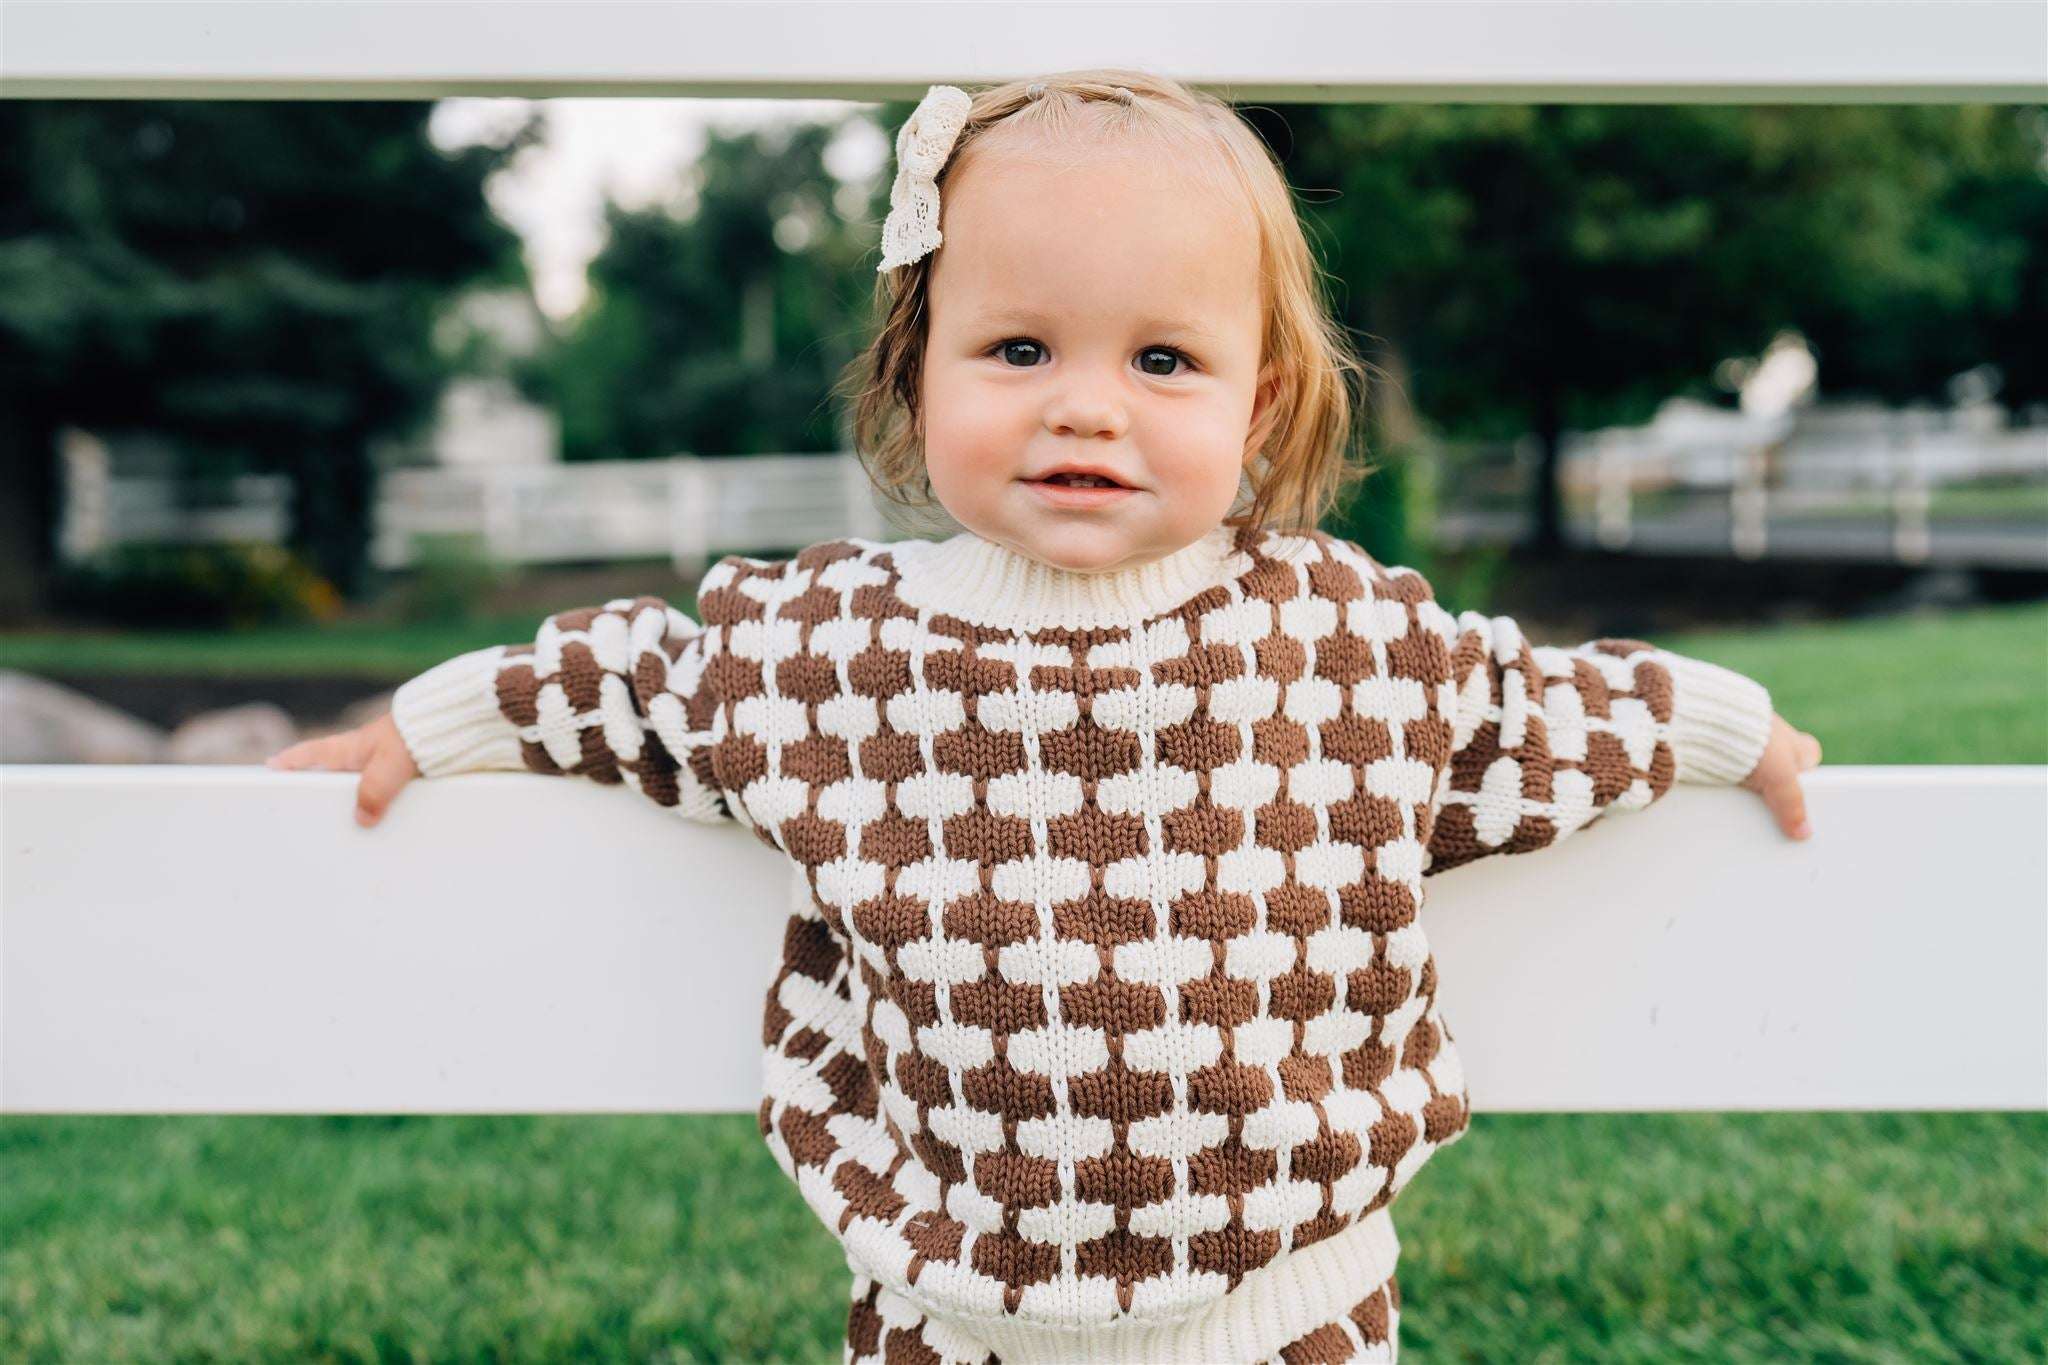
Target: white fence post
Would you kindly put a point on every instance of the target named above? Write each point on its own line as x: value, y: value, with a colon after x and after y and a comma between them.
x: 1614, y: 472
x: 1748, y: 514
x: 690, y: 496
x: 501, y: 514
x: 83, y: 530
x: 1911, y: 538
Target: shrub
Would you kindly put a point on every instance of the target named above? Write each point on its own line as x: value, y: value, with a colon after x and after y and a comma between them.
x: 230, y: 583
x: 450, y: 574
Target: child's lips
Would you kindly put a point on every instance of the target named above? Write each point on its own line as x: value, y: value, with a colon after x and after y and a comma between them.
x: 1078, y: 495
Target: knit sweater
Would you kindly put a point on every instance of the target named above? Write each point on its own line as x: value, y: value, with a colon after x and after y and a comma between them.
x: 1109, y: 996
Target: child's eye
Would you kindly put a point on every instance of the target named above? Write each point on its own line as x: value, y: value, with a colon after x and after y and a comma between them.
x: 1005, y: 347
x: 1165, y: 351
x: 1031, y: 350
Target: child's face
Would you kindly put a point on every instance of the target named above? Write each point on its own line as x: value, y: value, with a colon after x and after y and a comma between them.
x: 1057, y: 304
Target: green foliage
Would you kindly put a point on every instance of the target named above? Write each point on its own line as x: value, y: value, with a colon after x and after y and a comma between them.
x: 256, y: 281
x: 1597, y: 258
x: 1389, y: 514
x: 704, y: 333
x: 1537, y: 268
x: 1384, y: 510
x: 231, y: 583
x: 259, y: 281
x: 450, y: 574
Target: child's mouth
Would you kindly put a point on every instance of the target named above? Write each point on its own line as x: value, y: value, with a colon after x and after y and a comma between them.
x: 1079, y: 488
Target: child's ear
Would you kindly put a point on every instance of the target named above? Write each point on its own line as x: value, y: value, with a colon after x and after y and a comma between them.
x: 1263, y: 411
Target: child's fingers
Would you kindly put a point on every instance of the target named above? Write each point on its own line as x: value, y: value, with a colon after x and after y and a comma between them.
x: 1787, y: 801
x: 388, y: 769
x: 291, y: 756
x: 1809, y: 751
x: 334, y: 752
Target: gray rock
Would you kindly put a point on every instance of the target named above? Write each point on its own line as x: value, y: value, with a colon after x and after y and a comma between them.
x: 43, y: 722
x: 248, y: 733
x: 364, y: 711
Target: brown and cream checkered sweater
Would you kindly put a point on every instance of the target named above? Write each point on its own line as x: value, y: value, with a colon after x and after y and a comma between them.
x: 1110, y: 995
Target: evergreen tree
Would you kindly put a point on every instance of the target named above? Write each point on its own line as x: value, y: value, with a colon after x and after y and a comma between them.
x: 257, y: 281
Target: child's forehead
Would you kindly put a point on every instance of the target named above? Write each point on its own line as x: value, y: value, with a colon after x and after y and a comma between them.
x: 1097, y: 182
x: 1030, y: 230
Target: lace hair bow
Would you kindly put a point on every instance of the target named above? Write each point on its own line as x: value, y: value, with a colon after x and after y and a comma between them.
x: 922, y: 145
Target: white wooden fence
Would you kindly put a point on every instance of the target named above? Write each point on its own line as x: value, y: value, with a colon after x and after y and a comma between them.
x: 1915, y: 487
x: 227, y: 940
x: 1874, y: 480
x: 1659, y: 51
x: 204, y: 940
x: 683, y: 508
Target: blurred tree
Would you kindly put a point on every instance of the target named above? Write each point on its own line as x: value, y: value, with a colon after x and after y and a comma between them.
x: 717, y: 323
x: 1539, y: 268
x: 1949, y: 268
x: 257, y: 281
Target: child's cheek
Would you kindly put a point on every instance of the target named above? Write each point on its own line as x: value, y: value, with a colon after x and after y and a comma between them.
x: 971, y: 455
x: 1200, y: 462
x: 1002, y: 426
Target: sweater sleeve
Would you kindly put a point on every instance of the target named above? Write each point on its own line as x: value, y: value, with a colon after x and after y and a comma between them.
x: 615, y: 693
x: 1547, y: 740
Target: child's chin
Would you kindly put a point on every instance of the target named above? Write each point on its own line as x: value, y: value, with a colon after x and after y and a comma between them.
x: 1085, y: 553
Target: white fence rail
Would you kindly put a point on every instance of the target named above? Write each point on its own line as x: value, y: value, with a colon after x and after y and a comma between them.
x: 227, y: 940
x: 1523, y: 50
x: 1906, y: 486
x: 1886, y: 486
x: 681, y: 508
x: 684, y: 508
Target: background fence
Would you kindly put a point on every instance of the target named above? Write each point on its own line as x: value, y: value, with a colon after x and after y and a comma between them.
x: 1957, y: 486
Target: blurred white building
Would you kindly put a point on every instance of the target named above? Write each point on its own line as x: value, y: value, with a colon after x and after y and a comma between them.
x: 482, y: 419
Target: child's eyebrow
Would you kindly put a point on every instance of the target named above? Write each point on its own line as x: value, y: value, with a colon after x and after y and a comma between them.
x: 1024, y: 317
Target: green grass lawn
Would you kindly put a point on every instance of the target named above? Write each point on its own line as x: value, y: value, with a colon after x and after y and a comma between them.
x: 368, y: 648
x: 1950, y: 687
x: 1956, y: 687
x: 1650, y: 1238
x: 1534, y: 1238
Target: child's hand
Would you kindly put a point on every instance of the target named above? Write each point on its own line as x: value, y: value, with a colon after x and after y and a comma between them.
x: 375, y: 750
x: 1775, y: 777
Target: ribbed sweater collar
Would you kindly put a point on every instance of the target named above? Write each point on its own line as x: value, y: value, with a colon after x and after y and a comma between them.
x: 988, y: 584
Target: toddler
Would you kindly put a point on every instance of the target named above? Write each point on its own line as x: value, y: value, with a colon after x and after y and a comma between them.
x: 1109, y: 1031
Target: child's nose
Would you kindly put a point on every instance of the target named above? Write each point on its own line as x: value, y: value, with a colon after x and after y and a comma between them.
x: 1086, y: 407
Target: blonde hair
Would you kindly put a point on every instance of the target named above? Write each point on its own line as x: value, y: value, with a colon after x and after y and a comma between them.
x: 1305, y: 459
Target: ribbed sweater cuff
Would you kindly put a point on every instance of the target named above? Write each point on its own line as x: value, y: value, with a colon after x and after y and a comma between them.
x: 1720, y: 720
x: 449, y: 716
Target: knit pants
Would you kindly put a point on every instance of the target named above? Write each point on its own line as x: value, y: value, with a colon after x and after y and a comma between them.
x: 883, y: 1328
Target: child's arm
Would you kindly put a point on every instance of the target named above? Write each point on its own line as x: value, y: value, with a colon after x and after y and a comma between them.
x: 615, y: 693
x: 1546, y: 740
